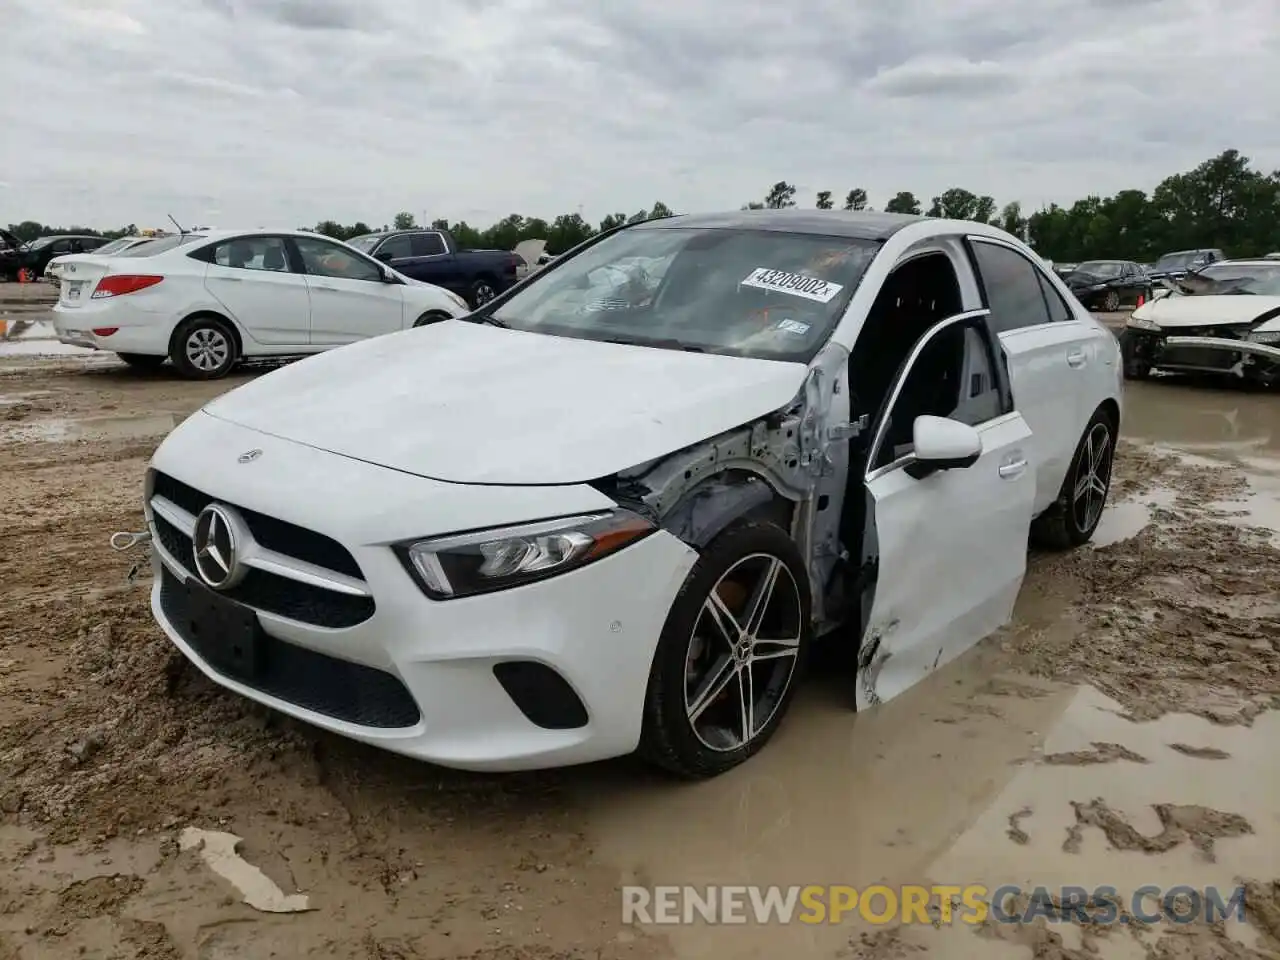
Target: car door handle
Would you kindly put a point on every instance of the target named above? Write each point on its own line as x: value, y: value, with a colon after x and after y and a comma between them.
x: 1076, y: 358
x: 232, y: 279
x: 1013, y: 468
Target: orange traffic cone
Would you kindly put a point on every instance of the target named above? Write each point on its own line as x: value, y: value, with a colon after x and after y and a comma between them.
x: 1141, y: 299
x: 24, y: 275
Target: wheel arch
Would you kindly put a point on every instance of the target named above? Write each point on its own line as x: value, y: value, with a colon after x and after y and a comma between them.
x: 231, y: 325
x: 710, y: 506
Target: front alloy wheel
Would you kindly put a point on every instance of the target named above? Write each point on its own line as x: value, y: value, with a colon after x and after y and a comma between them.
x: 1092, y: 479
x: 1111, y: 303
x: 732, y: 648
x: 482, y: 291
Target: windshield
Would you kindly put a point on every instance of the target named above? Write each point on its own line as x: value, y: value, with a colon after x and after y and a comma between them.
x: 1176, y: 261
x: 748, y: 293
x: 1100, y: 268
x: 366, y: 243
x: 1221, y: 279
x: 41, y: 243
x: 161, y: 245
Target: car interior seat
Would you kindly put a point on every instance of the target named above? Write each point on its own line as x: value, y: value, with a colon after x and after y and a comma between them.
x: 273, y: 258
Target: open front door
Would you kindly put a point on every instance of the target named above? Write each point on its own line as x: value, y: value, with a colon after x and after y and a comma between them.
x: 950, y: 533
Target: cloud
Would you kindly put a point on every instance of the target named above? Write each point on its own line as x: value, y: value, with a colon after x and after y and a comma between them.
x: 292, y: 111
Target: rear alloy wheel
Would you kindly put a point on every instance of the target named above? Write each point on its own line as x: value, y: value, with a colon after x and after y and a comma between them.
x: 1071, y: 521
x: 1111, y: 302
x: 142, y: 361
x: 482, y: 291
x: 203, y: 348
x: 732, y: 647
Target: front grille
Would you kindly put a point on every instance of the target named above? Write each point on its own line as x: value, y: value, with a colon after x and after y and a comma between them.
x: 266, y: 591
x: 286, y: 538
x: 1211, y: 358
x: 345, y: 691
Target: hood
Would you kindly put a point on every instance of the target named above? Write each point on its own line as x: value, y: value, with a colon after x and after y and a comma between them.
x: 1180, y: 310
x: 467, y: 403
x: 10, y: 243
x: 530, y: 250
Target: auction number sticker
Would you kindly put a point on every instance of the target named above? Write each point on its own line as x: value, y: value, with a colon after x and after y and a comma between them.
x: 811, y: 288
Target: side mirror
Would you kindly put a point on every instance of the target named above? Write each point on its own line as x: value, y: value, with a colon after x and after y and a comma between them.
x: 942, y: 444
x: 383, y: 255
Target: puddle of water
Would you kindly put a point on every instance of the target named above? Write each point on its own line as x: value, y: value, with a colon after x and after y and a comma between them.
x: 835, y: 798
x: 1195, y: 418
x: 91, y: 428
x: 1128, y: 518
x: 1242, y: 778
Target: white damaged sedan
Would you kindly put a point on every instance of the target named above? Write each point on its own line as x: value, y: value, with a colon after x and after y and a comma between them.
x: 1223, y: 319
x: 583, y: 522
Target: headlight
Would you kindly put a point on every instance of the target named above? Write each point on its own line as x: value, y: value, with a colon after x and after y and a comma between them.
x: 488, y: 560
x: 1264, y: 336
x: 1142, y: 323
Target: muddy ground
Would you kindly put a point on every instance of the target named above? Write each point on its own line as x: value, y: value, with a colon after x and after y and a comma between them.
x: 1120, y: 732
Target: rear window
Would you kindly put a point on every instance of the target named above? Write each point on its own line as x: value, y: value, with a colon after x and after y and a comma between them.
x: 152, y: 247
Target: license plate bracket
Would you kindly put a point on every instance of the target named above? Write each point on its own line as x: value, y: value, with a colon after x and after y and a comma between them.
x: 73, y: 291
x: 226, y: 633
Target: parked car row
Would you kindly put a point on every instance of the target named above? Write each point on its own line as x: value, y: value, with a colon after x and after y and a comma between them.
x: 17, y: 256
x: 716, y: 439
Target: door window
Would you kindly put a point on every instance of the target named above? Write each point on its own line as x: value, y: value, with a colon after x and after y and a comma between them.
x: 1014, y: 290
x: 320, y: 258
x: 952, y: 374
x: 252, y: 253
x: 428, y: 245
x: 1058, y: 309
x: 396, y: 248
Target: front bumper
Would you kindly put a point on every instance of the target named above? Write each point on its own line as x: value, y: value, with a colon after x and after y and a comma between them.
x: 596, y: 627
x: 1200, y: 354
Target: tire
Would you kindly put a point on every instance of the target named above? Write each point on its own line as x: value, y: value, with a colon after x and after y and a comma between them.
x: 1070, y: 522
x: 203, y: 348
x: 431, y: 316
x: 693, y: 651
x: 1111, y: 302
x: 482, y: 291
x: 142, y: 361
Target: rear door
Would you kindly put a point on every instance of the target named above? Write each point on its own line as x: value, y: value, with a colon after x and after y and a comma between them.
x: 948, y: 550
x: 350, y: 300
x: 252, y: 278
x: 1049, y: 350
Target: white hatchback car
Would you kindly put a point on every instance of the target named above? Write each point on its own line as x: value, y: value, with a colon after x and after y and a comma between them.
x: 207, y: 300
x: 571, y: 526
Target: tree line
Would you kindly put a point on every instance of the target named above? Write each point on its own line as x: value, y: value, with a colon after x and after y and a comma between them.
x: 1224, y: 202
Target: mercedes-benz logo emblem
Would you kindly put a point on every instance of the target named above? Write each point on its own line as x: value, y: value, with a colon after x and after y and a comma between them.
x: 218, y: 535
x: 249, y: 456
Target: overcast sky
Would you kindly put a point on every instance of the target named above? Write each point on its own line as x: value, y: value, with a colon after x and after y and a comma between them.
x: 285, y: 112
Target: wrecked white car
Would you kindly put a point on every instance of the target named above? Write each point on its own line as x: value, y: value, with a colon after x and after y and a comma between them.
x: 581, y: 522
x: 1223, y: 319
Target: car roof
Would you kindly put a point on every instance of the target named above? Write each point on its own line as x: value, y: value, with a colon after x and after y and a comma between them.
x: 1244, y: 261
x: 856, y: 225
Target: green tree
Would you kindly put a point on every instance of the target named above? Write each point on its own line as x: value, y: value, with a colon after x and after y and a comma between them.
x: 780, y: 195
x: 404, y: 220
x: 660, y: 211
x: 824, y: 200
x: 612, y: 221
x: 1011, y: 219
x: 856, y: 199
x: 753, y: 205
x: 903, y: 202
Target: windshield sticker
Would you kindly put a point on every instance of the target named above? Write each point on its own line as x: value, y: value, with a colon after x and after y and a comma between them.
x: 794, y: 327
x: 811, y: 288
